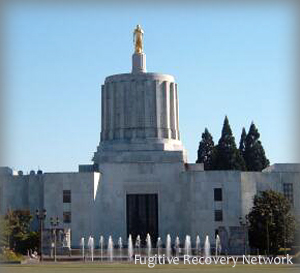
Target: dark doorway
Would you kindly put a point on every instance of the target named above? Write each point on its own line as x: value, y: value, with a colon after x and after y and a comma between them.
x: 142, y: 216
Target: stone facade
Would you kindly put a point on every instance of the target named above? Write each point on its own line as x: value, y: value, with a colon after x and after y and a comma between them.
x: 140, y: 152
x: 185, y: 192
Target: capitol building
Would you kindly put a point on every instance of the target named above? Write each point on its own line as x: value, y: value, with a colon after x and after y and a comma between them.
x: 140, y: 180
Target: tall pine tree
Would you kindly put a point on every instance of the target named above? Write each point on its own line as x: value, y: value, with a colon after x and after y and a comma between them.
x: 243, y: 142
x: 206, y: 150
x: 254, y: 156
x: 228, y: 157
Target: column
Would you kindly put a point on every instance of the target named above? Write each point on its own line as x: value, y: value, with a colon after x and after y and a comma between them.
x: 133, y: 109
x: 158, y: 108
x: 103, y: 113
x: 127, y: 111
x: 121, y: 89
x: 166, y: 94
x: 111, y: 112
x: 107, y: 111
x: 177, y: 113
x: 172, y: 111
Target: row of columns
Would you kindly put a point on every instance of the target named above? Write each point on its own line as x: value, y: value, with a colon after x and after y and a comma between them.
x: 139, y: 109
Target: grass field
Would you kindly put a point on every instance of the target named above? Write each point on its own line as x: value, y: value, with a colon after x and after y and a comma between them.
x: 98, y: 267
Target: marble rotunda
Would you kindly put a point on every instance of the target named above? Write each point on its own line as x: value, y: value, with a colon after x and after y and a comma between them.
x: 139, y: 111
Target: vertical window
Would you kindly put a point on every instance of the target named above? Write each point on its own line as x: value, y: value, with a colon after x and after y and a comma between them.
x: 218, y: 215
x: 288, y: 192
x: 218, y: 194
x: 66, y: 196
x: 67, y: 217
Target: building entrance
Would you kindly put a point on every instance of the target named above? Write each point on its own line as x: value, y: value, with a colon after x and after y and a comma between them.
x: 142, y: 216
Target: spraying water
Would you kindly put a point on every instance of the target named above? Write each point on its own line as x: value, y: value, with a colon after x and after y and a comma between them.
x: 91, y: 247
x: 207, y: 247
x: 177, y: 246
x: 218, y: 245
x: 159, y: 246
x: 130, y: 248
x: 187, y: 245
x: 82, y: 247
x: 120, y: 244
x: 110, y: 248
x: 138, y: 244
x: 168, y: 246
x: 149, y: 244
x: 198, y: 246
x: 101, y: 245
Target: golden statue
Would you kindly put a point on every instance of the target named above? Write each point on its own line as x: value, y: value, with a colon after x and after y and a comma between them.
x: 138, y: 35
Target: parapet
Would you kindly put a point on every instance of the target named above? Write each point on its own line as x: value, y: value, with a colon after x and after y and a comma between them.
x: 195, y: 167
x: 283, y: 168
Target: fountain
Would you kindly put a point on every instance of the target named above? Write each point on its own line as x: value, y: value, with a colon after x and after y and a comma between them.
x: 159, y: 246
x: 110, y: 248
x: 198, y: 246
x: 218, y: 245
x: 130, y: 248
x: 149, y: 244
x: 120, y: 244
x: 187, y: 245
x: 168, y: 246
x: 101, y: 246
x: 177, y: 246
x: 138, y: 244
x: 82, y: 247
x: 207, y: 247
x: 91, y: 247
x: 136, y: 248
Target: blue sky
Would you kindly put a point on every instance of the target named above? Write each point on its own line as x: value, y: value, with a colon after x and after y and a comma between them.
x: 235, y: 60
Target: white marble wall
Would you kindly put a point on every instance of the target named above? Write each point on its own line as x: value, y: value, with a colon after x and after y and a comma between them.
x: 185, y: 196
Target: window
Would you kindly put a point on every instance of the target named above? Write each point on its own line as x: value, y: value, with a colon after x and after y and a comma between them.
x: 218, y: 215
x: 67, y: 217
x: 218, y: 194
x: 288, y: 192
x: 67, y: 196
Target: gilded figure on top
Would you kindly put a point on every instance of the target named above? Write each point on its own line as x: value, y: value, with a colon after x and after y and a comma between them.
x: 138, y: 36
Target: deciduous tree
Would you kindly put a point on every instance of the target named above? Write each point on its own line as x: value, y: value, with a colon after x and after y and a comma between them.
x: 272, y: 224
x: 17, y: 234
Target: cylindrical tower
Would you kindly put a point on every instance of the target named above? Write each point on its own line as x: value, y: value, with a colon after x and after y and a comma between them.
x: 139, y: 106
x: 139, y: 111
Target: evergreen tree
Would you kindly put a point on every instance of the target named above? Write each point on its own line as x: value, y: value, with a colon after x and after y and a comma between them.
x: 206, y: 150
x: 227, y: 156
x: 243, y: 142
x: 254, y: 154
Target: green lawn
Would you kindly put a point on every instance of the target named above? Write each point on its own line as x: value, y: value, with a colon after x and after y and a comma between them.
x: 97, y: 267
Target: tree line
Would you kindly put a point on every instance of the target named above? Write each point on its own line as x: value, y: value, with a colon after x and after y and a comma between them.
x: 250, y: 156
